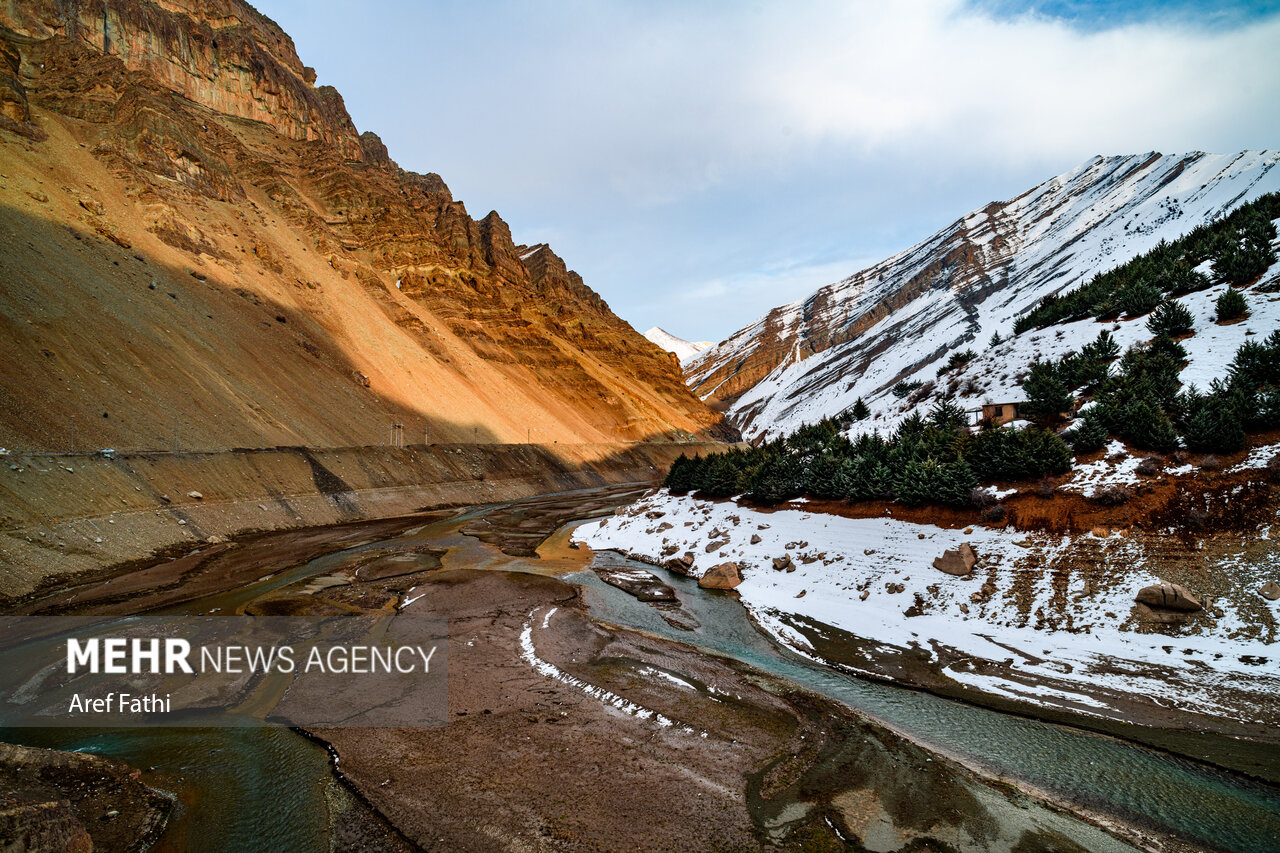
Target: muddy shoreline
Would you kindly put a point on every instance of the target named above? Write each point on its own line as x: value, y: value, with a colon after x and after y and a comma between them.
x: 1251, y: 750
x: 530, y: 705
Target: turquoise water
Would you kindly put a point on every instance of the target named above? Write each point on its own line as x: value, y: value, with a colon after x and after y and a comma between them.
x: 1173, y: 796
x: 262, y: 789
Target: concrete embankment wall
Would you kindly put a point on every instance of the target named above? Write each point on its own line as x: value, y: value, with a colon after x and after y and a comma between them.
x: 68, y: 515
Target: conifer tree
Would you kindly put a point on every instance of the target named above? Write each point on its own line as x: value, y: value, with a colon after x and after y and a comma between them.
x: 1231, y: 305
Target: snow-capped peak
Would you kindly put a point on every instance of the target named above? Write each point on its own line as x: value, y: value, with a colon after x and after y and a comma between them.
x: 683, y: 349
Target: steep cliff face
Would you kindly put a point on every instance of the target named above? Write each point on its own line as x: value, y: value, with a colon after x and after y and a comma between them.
x: 198, y: 242
x: 900, y: 319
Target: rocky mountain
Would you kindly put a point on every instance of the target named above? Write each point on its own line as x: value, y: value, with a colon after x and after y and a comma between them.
x: 684, y: 350
x: 900, y: 320
x: 201, y: 250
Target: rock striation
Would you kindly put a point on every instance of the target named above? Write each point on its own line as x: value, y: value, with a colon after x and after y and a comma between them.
x: 194, y: 209
x: 901, y: 319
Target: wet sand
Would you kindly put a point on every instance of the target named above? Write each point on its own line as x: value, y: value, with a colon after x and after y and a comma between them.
x: 568, y: 734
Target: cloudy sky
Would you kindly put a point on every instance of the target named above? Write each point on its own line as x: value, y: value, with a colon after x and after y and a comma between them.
x: 699, y: 163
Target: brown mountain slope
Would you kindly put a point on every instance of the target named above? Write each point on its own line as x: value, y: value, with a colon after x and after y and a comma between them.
x: 197, y: 243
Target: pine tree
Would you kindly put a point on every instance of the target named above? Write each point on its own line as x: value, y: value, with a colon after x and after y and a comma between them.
x: 1231, y: 305
x: 860, y: 411
x: 1214, y: 427
x: 1138, y: 298
x: 1047, y: 394
x: 1171, y: 318
x: 996, y: 340
x: 1145, y: 425
x: 680, y: 477
x: 1090, y: 433
x: 946, y: 416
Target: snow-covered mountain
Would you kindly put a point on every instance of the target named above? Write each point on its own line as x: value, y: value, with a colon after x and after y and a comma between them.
x: 900, y: 320
x: 683, y: 349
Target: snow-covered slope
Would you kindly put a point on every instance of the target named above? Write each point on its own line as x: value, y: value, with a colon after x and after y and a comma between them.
x: 683, y: 349
x: 901, y: 319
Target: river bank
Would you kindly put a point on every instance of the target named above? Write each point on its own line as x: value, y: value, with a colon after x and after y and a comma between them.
x: 577, y: 698
x: 73, y: 518
x: 1041, y: 626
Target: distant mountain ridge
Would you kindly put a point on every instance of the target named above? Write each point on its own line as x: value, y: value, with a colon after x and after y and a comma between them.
x: 900, y: 319
x: 684, y: 350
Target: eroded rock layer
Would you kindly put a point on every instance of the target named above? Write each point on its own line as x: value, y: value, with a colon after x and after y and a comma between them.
x: 201, y: 250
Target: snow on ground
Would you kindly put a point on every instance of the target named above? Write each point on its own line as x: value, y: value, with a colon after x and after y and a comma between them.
x: 529, y: 653
x: 1092, y: 477
x: 849, y: 572
x: 1258, y: 457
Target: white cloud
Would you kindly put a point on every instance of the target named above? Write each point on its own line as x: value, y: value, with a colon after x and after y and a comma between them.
x: 645, y: 134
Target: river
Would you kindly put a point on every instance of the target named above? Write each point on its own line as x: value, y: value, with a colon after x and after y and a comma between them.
x: 265, y: 788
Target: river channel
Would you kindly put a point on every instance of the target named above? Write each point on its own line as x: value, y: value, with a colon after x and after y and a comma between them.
x: 264, y: 788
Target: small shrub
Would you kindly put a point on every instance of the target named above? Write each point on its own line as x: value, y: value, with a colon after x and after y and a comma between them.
x: 958, y: 359
x: 1211, y: 463
x: 1197, y: 517
x: 1273, y: 468
x: 1046, y: 487
x: 980, y: 497
x: 1112, y: 496
x: 1231, y: 305
x: 994, y: 514
x: 1150, y: 467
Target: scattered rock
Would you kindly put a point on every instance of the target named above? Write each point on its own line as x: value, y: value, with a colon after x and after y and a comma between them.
x: 641, y: 584
x: 195, y: 496
x: 93, y: 206
x: 1168, y: 596
x: 919, y: 535
x: 865, y: 594
x: 1101, y: 532
x: 780, y: 563
x: 894, y: 588
x: 1270, y: 591
x: 755, y: 538
x: 723, y: 576
x: 681, y: 565
x: 716, y: 545
x: 958, y: 562
x: 801, y: 593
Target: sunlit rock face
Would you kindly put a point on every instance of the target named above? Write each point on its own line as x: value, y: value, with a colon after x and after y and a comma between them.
x: 309, y: 289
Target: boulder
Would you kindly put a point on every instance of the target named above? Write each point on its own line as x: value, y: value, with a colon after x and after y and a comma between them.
x: 1168, y: 596
x: 1270, y: 591
x: 958, y: 562
x: 723, y: 576
x: 780, y: 563
x: 682, y: 564
x: 716, y: 545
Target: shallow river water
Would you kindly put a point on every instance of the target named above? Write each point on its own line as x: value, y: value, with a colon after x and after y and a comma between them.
x: 263, y: 788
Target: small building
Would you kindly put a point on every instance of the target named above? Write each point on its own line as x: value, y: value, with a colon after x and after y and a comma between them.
x: 998, y: 414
